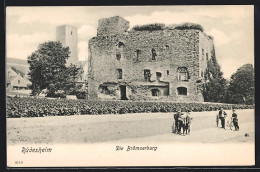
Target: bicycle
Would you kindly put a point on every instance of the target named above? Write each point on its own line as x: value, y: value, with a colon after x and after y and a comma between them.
x: 230, y: 124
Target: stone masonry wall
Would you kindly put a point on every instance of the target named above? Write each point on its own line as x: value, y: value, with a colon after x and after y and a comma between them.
x: 111, y: 26
x: 174, y: 49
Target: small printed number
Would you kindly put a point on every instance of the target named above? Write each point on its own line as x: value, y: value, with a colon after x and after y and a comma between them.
x: 18, y: 162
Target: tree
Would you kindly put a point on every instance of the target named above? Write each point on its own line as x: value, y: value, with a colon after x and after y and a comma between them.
x: 215, y: 89
x: 48, y: 70
x: 241, y: 89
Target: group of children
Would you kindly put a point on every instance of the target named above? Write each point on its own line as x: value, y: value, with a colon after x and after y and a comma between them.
x: 182, y: 121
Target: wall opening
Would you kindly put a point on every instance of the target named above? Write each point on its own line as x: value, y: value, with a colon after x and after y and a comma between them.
x: 118, y: 57
x: 168, y: 72
x: 182, y: 91
x: 183, y: 74
x: 147, y: 75
x: 158, y: 75
x: 123, y: 92
x: 138, y: 54
x: 104, y: 89
x: 155, y: 92
x: 119, y: 73
x: 167, y: 47
x: 121, y: 45
x: 153, y: 54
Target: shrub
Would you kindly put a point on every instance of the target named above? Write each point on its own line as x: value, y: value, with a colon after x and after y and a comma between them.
x: 81, y: 95
x: 185, y: 26
x: 150, y: 27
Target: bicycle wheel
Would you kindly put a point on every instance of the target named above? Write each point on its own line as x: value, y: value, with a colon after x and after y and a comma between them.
x: 231, y: 125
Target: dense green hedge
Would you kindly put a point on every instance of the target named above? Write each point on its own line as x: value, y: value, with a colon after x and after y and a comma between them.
x: 33, y: 107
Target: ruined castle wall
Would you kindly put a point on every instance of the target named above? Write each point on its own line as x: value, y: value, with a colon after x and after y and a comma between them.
x: 112, y: 26
x: 182, y: 52
x: 174, y: 48
x: 111, y: 51
x: 206, y: 45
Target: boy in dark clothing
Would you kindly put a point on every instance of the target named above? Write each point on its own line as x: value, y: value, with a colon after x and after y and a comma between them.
x: 235, y: 120
x: 222, y: 115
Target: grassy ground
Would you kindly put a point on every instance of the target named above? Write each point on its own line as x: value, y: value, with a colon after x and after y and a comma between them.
x: 128, y: 127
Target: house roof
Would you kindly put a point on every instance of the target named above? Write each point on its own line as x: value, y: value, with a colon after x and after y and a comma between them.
x: 9, y: 79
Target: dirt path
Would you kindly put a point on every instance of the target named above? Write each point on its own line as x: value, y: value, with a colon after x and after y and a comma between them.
x: 127, y: 127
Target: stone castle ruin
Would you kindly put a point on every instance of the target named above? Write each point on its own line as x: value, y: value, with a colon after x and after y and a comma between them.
x: 165, y: 63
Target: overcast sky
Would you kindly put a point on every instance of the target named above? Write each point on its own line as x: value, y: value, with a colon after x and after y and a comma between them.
x: 231, y: 26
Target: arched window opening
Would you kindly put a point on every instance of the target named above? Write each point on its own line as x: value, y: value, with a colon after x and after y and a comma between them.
x: 167, y: 47
x: 168, y: 72
x: 183, y: 74
x: 153, y: 54
x: 147, y: 75
x: 121, y: 45
x: 155, y: 92
x: 182, y: 91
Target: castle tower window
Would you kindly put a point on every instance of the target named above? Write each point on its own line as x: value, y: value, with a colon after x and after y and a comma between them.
x: 18, y: 81
x: 119, y: 73
x: 153, y: 54
x: 167, y: 47
x: 201, y: 74
x: 147, y: 75
x: 118, y: 57
x: 138, y: 54
x: 155, y: 92
x: 202, y: 51
x: 158, y: 75
x: 182, y: 91
x: 207, y: 56
x: 121, y: 45
x: 168, y: 72
x: 183, y: 74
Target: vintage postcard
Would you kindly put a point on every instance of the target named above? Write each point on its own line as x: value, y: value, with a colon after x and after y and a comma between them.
x: 100, y: 86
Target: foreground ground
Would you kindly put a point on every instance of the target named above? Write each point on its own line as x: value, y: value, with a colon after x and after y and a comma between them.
x: 125, y: 128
